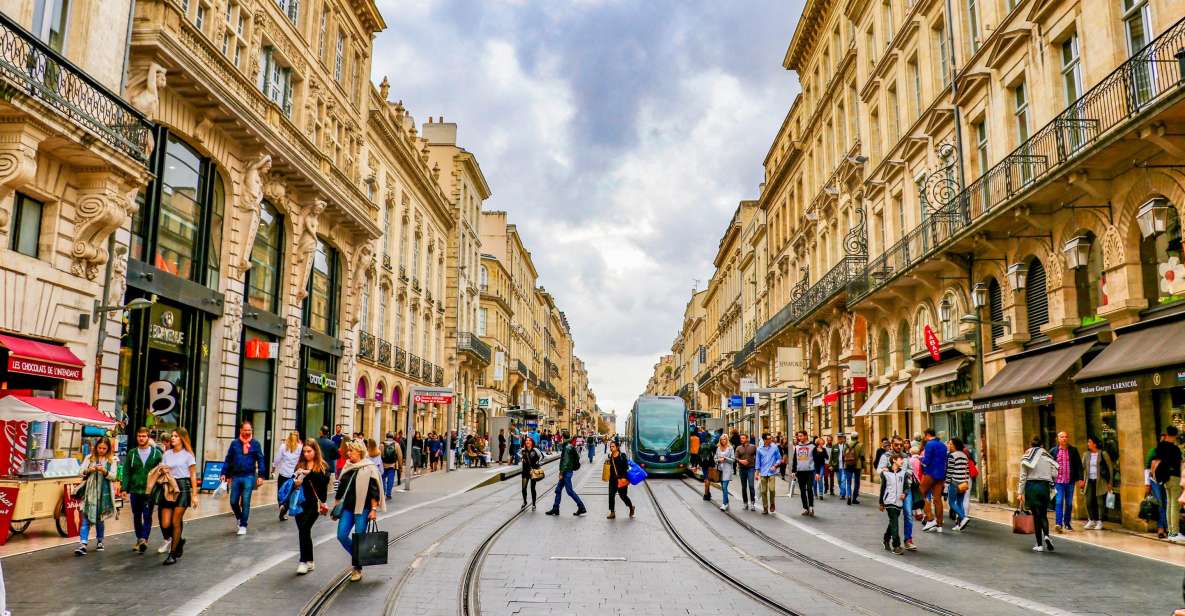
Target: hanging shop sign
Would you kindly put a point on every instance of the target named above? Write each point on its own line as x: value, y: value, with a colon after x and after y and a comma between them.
x: 788, y: 365
x: 932, y: 343
x: 433, y: 398
x: 483, y: 403
x: 322, y: 380
x: 165, y: 328
x: 1016, y: 401
x: 258, y: 348
x: 946, y: 407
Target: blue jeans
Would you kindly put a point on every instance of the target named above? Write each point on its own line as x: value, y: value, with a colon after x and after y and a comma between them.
x: 241, y: 488
x: 853, y: 483
x: 388, y: 481
x: 349, y: 524
x: 819, y: 485
x: 954, y: 500
x: 1161, y: 495
x: 724, y: 489
x: 85, y: 530
x: 141, y: 514
x: 1063, y: 505
x: 907, y: 515
x: 748, y: 493
x: 592, y: 451
x: 842, y: 475
x: 566, y: 484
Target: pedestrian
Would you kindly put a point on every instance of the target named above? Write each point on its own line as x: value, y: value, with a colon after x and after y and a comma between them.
x: 1097, y: 469
x: 913, y: 464
x: 361, y: 497
x: 136, y: 465
x: 516, y: 443
x: 726, y: 463
x: 244, y: 469
x: 417, y: 453
x: 837, y: 463
x: 958, y: 481
x: 821, y: 456
x: 734, y: 438
x: 881, y: 451
x: 311, y: 476
x: 1069, y: 475
x: 182, y: 468
x: 392, y: 458
x: 99, y: 469
x: 619, y: 485
x: 501, y: 444
x: 329, y: 449
x: 746, y: 456
x: 693, y: 449
x: 532, y: 461
x: 768, y: 459
x: 805, y: 464
x: 338, y: 458
x: 569, y: 462
x: 934, y: 456
x: 1038, y: 470
x: 1166, y: 473
x: 591, y: 445
x: 893, y: 487
x: 287, y: 455
x: 375, y: 455
x: 828, y: 468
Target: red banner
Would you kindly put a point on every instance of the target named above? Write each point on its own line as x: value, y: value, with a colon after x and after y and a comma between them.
x: 932, y: 343
x: 859, y: 383
x: 7, y: 507
x: 433, y: 399
x: 14, y: 447
x: 831, y: 397
x: 72, y: 509
x: 42, y: 368
x: 257, y: 349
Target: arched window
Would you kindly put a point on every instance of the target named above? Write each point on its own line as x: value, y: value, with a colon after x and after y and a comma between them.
x: 903, y: 345
x: 884, y: 353
x: 996, y: 308
x: 1161, y: 264
x: 321, y: 305
x: 263, y: 280
x: 950, y: 327
x: 485, y: 278
x: 1090, y: 284
x: 1036, y: 298
x: 920, y: 320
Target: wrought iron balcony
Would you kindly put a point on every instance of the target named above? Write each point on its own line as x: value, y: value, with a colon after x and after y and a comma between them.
x: 1136, y: 88
x: 403, y: 273
x: 475, y: 346
x: 522, y: 368
x: 426, y: 371
x: 387, y: 262
x: 400, y: 359
x: 415, y: 284
x: 804, y: 301
x: 34, y: 69
x: 439, y: 376
x: 532, y: 377
x: 384, y: 352
x: 413, y: 366
x: 365, y: 346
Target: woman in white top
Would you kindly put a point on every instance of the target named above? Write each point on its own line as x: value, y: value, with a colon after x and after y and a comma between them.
x: 725, y: 461
x: 287, y: 455
x: 374, y: 454
x: 183, y: 466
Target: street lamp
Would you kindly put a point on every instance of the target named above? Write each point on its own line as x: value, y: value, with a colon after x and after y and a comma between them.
x: 1077, y: 251
x: 944, y: 310
x: 136, y: 304
x: 1017, y: 272
x: 1153, y: 216
x: 979, y: 296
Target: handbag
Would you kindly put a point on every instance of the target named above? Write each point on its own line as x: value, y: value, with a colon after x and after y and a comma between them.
x: 1022, y: 523
x: 714, y: 475
x: 918, y: 501
x: 369, y: 548
x: 1112, y: 500
x: 336, y: 513
x: 605, y: 472
x: 537, y: 474
x: 962, y: 487
x: 622, y: 483
x: 1150, y: 509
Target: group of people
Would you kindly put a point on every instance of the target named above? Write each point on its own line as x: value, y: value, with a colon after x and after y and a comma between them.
x: 514, y: 443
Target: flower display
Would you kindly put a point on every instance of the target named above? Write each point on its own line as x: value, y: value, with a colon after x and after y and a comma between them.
x: 1172, y: 276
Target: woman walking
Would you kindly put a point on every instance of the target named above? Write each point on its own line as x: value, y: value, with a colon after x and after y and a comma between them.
x: 182, y: 466
x: 98, y: 471
x: 285, y: 464
x: 958, y: 480
x: 1038, y: 470
x: 375, y: 455
x: 619, y: 485
x: 707, y: 462
x: 311, y: 476
x: 360, y: 494
x: 725, y: 461
x: 1097, y: 468
x: 532, y: 461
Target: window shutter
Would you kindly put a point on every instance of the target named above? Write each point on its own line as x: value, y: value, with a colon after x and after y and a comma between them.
x: 996, y: 307
x: 1036, y: 298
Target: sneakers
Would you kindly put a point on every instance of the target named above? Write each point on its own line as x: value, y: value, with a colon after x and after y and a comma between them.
x: 812, y: 514
x: 99, y: 547
x: 165, y: 547
x: 806, y: 512
x: 723, y: 507
x: 963, y: 523
x: 898, y: 551
x: 931, y: 525
x: 938, y: 529
x: 302, y: 569
x: 142, y: 546
x: 611, y: 516
x: 355, y: 575
x: 1038, y: 548
x: 1068, y: 528
x: 1048, y: 545
x: 910, y: 546
x: 1093, y: 525
x: 81, y: 551
x: 242, y: 531
x: 1175, y: 538
x: 1057, y: 528
x: 312, y: 565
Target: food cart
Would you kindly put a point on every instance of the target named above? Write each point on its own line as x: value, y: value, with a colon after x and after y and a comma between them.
x: 38, y: 477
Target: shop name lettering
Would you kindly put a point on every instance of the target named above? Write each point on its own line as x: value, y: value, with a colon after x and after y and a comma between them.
x: 1106, y: 387
x: 17, y: 364
x: 322, y: 380
x: 164, y: 334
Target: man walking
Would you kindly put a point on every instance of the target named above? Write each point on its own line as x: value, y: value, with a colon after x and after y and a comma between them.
x: 829, y: 469
x: 853, y: 462
x: 337, y: 448
x: 1069, y: 474
x: 837, y: 457
x: 501, y: 444
x: 934, y: 456
x: 136, y: 466
x: 1167, y: 474
x: 329, y: 449
x: 768, y: 458
x: 591, y: 443
x: 569, y: 462
x: 245, y: 469
x: 392, y: 464
x: 746, y: 454
x: 802, y: 458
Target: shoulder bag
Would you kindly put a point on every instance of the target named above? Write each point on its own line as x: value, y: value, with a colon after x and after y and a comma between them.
x: 336, y: 513
x: 1022, y: 522
x: 369, y: 548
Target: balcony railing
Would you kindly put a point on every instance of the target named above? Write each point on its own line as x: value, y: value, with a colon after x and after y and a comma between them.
x: 415, y: 284
x: 365, y: 346
x: 439, y: 380
x: 532, y: 377
x: 400, y: 359
x: 413, y: 366
x: 1150, y: 76
x: 42, y: 73
x: 387, y: 262
x: 384, y: 352
x: 426, y: 372
x: 522, y: 368
x: 469, y: 343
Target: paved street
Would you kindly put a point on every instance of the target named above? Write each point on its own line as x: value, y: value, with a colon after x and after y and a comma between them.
x: 832, y: 564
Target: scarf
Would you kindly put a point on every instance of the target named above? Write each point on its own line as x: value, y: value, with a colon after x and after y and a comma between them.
x: 360, y: 484
x: 97, y: 502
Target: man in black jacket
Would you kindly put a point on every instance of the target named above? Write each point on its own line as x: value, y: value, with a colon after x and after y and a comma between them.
x: 328, y: 448
x: 1069, y: 474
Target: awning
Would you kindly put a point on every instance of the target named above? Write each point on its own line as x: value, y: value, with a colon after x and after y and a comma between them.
x: 890, y: 398
x: 1029, y: 379
x: 1137, y: 351
x: 41, y: 358
x: 29, y: 408
x: 940, y: 373
x: 873, y: 397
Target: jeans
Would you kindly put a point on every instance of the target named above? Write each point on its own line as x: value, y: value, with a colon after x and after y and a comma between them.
x: 806, y: 487
x: 955, y: 501
x: 566, y: 484
x: 907, y: 515
x: 853, y: 477
x: 1063, y: 505
x: 1172, y: 492
x: 304, y: 528
x: 843, y: 482
x: 349, y: 524
x: 514, y: 454
x: 829, y: 479
x: 820, y: 486
x: 768, y: 488
x: 85, y: 530
x: 1158, y: 490
x: 241, y: 488
x: 592, y: 451
x: 892, y: 532
x: 724, y: 489
x: 388, y: 481
x: 141, y: 514
x: 747, y: 493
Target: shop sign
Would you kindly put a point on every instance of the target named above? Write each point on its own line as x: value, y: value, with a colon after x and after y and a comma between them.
x: 321, y: 379
x: 748, y: 385
x: 1009, y: 402
x: 8, y: 496
x: 946, y: 407
x: 788, y: 365
x: 932, y: 343
x: 433, y: 398
x: 1109, y: 387
x: 258, y: 348
x: 212, y: 475
x: 43, y: 368
x: 483, y: 403
x: 164, y: 328
x: 164, y: 399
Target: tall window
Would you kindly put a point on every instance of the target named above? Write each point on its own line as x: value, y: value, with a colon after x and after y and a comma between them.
x: 321, y: 29
x: 291, y: 9
x: 485, y: 278
x: 903, y: 345
x: 365, y: 301
x: 943, y: 55
x: 884, y: 355
x: 874, y: 125
x: 894, y: 112
x: 382, y: 328
x: 1161, y: 263
x: 870, y: 45
x: 339, y: 56
x: 1072, y: 84
x: 415, y: 255
x: 981, y: 146
x: 973, y: 24
x: 1020, y: 112
x: 320, y: 309
x: 263, y: 280
x: 49, y: 22
x: 275, y: 79
x: 26, y: 225
x: 950, y: 328
x: 482, y: 315
x: 890, y: 27
x: 996, y: 309
x: 916, y: 72
x: 1090, y: 284
x: 1136, y: 23
x: 1036, y: 298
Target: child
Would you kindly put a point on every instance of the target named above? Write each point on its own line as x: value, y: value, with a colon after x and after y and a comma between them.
x: 893, y: 488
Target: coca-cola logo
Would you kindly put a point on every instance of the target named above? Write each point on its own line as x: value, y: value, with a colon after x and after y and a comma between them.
x: 4, y: 500
x: 16, y: 440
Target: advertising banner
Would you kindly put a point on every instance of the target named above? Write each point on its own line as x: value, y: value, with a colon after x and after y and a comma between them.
x: 788, y: 365
x: 14, y: 447
x: 211, y: 475
x: 7, y: 507
x: 71, y: 510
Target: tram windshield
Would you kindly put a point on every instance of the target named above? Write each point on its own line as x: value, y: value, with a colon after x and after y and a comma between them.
x: 662, y: 425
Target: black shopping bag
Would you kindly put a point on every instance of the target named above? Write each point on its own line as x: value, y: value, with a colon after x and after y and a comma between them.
x: 370, y: 547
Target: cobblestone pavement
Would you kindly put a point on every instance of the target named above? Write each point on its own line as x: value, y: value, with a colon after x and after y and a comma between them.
x: 586, y: 565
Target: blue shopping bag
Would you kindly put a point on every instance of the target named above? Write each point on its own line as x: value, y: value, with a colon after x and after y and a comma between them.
x: 296, y: 502
x: 636, y: 474
x: 285, y: 490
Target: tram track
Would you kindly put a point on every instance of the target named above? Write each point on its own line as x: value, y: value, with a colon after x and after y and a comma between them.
x: 829, y: 569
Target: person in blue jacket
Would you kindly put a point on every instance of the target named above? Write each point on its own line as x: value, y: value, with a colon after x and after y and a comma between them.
x: 244, y: 470
x: 933, y: 482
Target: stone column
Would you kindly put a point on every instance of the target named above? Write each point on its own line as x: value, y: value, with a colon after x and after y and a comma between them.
x: 1137, y: 434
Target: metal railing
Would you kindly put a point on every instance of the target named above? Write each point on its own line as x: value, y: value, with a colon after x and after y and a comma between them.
x: 38, y: 71
x: 400, y: 359
x: 467, y: 342
x: 384, y: 357
x: 1143, y: 80
x: 439, y: 375
x: 804, y: 301
x: 413, y: 366
x: 426, y: 372
x: 522, y: 368
x: 365, y: 346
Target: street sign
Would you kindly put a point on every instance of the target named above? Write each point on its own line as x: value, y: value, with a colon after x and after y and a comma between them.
x: 932, y: 343
x: 748, y: 385
x: 735, y: 402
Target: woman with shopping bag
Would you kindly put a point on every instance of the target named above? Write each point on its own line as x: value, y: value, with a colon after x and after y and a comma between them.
x: 359, y: 498
x: 311, y: 479
x: 98, y: 470
x: 1038, y: 470
x: 619, y: 482
x: 287, y: 455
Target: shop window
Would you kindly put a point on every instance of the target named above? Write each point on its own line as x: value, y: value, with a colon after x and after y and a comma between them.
x: 1036, y: 298
x: 320, y: 308
x: 1090, y: 284
x: 26, y: 225
x: 263, y: 280
x: 1047, y: 425
x: 1161, y: 264
x: 1168, y: 406
x: 1101, y: 423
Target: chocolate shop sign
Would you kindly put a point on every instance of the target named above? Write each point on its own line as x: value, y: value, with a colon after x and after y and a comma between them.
x: 321, y: 380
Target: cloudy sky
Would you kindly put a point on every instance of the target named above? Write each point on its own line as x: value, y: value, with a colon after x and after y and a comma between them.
x: 618, y: 134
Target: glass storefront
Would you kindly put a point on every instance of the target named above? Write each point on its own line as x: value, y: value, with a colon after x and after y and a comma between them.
x: 1101, y: 423
x: 316, y: 409
x: 263, y: 280
x: 257, y: 380
x: 320, y: 309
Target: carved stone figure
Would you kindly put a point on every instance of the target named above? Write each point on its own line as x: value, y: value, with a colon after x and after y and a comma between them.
x: 99, y: 213
x: 147, y: 87
x: 119, y: 276
x: 232, y: 320
x: 307, y: 223
x: 362, y: 268
x: 248, y: 205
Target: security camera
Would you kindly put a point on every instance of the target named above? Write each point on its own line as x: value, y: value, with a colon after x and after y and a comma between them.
x: 858, y: 159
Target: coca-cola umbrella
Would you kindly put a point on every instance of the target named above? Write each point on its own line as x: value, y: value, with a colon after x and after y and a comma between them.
x: 29, y: 408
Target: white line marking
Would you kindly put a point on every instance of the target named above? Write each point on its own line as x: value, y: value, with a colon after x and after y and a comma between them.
x: 615, y: 558
x: 928, y: 574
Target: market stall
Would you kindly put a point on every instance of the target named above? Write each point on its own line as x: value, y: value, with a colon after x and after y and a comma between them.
x: 35, y: 478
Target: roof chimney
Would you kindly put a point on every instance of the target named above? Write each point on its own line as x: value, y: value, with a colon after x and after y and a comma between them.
x: 440, y: 132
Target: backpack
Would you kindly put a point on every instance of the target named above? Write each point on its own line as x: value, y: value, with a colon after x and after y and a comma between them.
x: 705, y: 448
x: 972, y: 470
x: 849, y: 457
x: 389, y: 453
